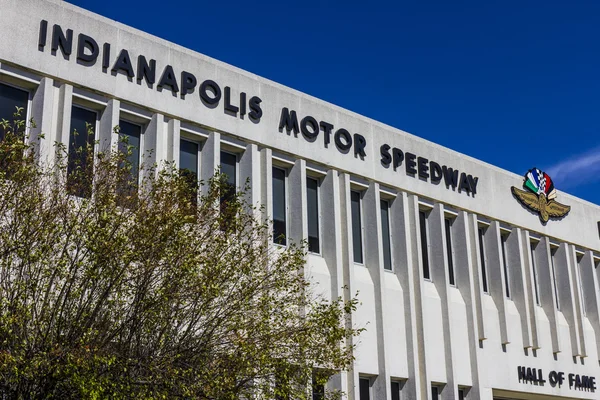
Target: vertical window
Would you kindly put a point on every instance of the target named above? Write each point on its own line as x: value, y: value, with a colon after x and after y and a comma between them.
x: 229, y: 169
x: 279, y: 206
x: 552, y: 253
x: 385, y: 234
x: 129, y: 144
x: 461, y: 394
x: 81, y: 142
x: 395, y: 388
x: 435, y: 393
x: 449, y: 258
x: 356, y: 227
x: 424, y: 244
x: 312, y: 202
x: 10, y: 98
x: 580, y: 283
x: 318, y: 391
x: 365, y: 388
x: 535, y: 277
x: 188, y: 166
x: 484, y: 281
x: 503, y: 239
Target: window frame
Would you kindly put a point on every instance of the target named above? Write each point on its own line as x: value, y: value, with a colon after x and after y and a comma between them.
x: 369, y: 380
x: 389, y: 202
x: 78, y: 102
x: 449, y: 220
x: 28, y: 113
x: 532, y: 248
x: 237, y: 165
x: 143, y: 128
x: 286, y: 204
x: 361, y: 225
x: 579, y: 259
x: 425, y: 251
x: 504, y: 253
x: 483, y: 261
x: 553, y: 250
x: 319, y: 181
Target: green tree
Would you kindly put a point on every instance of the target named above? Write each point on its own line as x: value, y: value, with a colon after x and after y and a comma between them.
x: 150, y: 292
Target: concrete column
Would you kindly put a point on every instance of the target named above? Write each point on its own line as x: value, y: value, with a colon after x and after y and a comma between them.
x: 546, y: 289
x: 409, y: 269
x: 348, y: 270
x: 438, y: 264
x: 567, y: 289
x: 65, y: 102
x: 42, y: 107
x: 495, y: 275
x: 374, y: 263
x: 577, y: 300
x: 333, y: 248
x: 478, y: 279
x: 155, y: 143
x: 590, y: 282
x: 267, y: 183
x: 519, y: 271
x: 465, y: 265
x: 108, y: 139
x: 211, y: 159
x: 173, y: 141
x: 298, y: 229
x: 250, y: 174
x: 530, y: 278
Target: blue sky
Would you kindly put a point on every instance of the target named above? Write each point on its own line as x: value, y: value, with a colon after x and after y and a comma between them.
x: 512, y: 83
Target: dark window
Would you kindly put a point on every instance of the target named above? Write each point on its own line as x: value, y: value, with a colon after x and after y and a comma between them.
x: 356, y: 227
x: 449, y: 258
x: 10, y: 99
x: 435, y: 393
x: 461, y: 394
x: 535, y: 278
x: 229, y: 169
x: 385, y: 234
x: 365, y: 388
x: 580, y: 283
x: 484, y: 281
x: 505, y: 264
x: 188, y: 166
x: 129, y: 144
x: 552, y: 253
x: 318, y: 391
x: 312, y: 195
x: 424, y: 250
x: 395, y: 390
x: 81, y: 142
x: 279, y: 206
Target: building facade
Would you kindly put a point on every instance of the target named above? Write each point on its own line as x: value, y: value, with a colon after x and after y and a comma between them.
x: 466, y: 292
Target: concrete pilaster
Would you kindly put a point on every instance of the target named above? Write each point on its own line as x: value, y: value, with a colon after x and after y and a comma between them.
x: 567, y: 290
x: 495, y: 274
x: 518, y: 265
x: 374, y: 263
x: 298, y: 229
x: 173, y: 141
x: 333, y: 244
x: 546, y: 289
x: 42, y: 107
x: 65, y: 102
x: 108, y: 139
x: 467, y: 286
x: 211, y: 159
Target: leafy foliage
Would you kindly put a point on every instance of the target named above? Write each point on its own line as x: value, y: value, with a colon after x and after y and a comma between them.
x: 150, y: 292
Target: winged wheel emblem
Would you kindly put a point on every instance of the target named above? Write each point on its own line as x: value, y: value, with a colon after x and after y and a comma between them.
x: 540, y: 195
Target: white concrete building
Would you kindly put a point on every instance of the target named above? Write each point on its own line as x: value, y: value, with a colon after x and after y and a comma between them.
x: 465, y: 292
